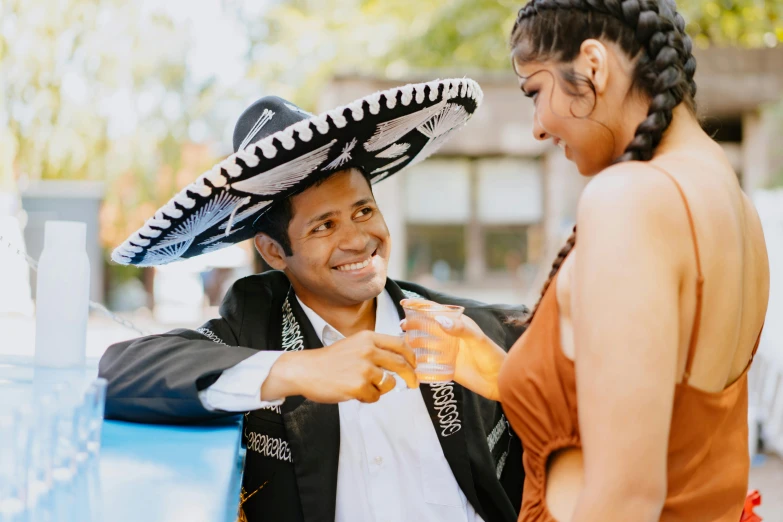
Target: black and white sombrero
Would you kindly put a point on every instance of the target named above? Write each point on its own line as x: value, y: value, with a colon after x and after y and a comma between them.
x: 281, y: 149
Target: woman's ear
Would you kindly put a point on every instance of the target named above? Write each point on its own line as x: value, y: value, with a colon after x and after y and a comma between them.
x: 593, y: 62
x: 271, y: 251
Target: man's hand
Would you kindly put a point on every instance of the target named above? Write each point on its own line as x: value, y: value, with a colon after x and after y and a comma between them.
x: 352, y: 368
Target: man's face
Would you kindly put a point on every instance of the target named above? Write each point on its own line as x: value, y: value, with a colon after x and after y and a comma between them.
x: 339, y: 240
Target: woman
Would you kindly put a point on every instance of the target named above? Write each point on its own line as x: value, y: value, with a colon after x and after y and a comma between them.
x: 629, y: 387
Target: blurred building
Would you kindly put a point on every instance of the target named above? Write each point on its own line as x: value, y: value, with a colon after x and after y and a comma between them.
x: 486, y: 215
x: 55, y: 200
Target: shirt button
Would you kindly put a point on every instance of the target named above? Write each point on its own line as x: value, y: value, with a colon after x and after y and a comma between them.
x: 378, y: 460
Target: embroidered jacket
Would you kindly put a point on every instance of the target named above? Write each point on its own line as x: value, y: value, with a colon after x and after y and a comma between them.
x: 292, y: 450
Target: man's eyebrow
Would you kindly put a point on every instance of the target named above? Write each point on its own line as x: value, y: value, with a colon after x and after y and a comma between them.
x: 362, y: 202
x: 323, y: 216
x: 332, y: 213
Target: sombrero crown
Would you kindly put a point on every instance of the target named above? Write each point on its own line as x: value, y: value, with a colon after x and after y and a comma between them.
x: 281, y: 149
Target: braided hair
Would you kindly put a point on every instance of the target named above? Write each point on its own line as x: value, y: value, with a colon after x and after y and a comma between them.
x: 650, y: 31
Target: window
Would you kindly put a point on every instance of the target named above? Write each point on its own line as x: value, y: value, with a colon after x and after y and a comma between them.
x: 436, y: 252
x: 510, y: 191
x: 470, y: 220
x: 438, y: 191
x: 505, y: 248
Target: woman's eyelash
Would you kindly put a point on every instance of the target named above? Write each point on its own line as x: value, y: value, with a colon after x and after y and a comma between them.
x: 531, y: 94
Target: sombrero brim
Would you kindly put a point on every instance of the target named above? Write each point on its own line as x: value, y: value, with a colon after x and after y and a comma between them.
x: 380, y: 134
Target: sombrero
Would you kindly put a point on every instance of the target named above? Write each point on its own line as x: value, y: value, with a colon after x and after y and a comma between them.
x: 282, y: 149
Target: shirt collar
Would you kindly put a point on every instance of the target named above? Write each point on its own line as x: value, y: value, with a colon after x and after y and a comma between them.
x: 387, y: 320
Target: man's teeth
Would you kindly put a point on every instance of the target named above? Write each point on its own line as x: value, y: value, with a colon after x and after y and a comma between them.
x: 561, y: 144
x: 354, y: 266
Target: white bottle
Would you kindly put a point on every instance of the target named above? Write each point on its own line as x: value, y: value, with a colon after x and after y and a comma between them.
x: 62, y: 296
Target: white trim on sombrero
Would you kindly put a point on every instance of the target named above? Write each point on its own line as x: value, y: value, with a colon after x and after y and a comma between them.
x: 212, y: 213
x: 390, y: 165
x: 430, y: 148
x: 380, y: 177
x: 285, y: 176
x: 230, y: 222
x: 344, y: 157
x: 395, y: 150
x: 451, y: 117
x: 390, y: 131
x: 165, y: 255
x: 246, y: 214
x: 215, y: 246
x: 438, y: 129
x: 218, y: 237
x: 222, y: 173
x: 262, y: 120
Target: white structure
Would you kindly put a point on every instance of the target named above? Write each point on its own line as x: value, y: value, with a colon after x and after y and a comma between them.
x: 15, y: 293
x: 766, y: 376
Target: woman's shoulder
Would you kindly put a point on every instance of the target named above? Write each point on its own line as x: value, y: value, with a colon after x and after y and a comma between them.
x: 636, y: 193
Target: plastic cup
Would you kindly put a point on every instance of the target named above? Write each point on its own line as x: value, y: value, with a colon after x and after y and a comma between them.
x: 40, y: 473
x: 436, y: 352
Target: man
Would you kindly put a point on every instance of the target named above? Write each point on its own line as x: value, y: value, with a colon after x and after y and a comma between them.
x: 311, y: 350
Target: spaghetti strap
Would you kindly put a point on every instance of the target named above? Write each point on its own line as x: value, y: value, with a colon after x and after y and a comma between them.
x: 699, y: 281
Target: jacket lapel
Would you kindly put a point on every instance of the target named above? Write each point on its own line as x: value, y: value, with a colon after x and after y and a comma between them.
x: 445, y: 406
x: 313, y: 429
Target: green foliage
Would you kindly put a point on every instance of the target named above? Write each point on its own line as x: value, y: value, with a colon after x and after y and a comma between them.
x: 456, y: 37
x: 101, y: 89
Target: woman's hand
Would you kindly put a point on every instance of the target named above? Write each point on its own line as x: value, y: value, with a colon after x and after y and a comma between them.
x: 479, y: 358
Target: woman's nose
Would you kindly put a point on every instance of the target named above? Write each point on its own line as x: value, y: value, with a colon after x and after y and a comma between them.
x: 538, y: 130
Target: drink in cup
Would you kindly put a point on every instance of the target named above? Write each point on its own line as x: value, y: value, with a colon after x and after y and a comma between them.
x: 436, y: 351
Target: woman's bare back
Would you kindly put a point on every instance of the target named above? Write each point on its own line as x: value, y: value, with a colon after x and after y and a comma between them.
x: 734, y: 266
x: 736, y: 286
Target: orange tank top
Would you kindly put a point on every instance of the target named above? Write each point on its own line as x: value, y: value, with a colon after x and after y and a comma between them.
x: 708, y: 462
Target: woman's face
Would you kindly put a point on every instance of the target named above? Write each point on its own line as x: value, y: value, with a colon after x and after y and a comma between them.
x: 569, y: 119
x: 592, y: 119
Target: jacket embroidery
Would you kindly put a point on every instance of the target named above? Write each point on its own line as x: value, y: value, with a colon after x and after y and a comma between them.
x: 269, y: 446
x: 501, y: 464
x: 446, y: 406
x: 497, y: 432
x: 412, y: 295
x: 209, y: 334
x: 292, y: 336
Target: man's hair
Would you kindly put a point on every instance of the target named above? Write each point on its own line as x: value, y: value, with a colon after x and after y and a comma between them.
x: 274, y: 223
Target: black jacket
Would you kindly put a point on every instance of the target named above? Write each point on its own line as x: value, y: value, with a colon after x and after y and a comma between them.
x: 292, y: 450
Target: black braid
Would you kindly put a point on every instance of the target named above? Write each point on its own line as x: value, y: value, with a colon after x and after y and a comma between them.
x: 556, y: 264
x: 651, y: 30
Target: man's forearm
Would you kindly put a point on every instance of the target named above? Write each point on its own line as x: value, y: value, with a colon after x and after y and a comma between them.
x: 284, y: 379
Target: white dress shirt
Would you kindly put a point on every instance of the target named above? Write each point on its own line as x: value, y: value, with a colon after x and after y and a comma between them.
x: 391, y: 464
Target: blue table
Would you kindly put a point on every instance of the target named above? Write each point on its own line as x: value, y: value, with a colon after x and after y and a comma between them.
x: 167, y: 473
x: 151, y: 473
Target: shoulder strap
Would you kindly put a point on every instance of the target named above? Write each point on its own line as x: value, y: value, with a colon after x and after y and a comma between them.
x: 699, y: 281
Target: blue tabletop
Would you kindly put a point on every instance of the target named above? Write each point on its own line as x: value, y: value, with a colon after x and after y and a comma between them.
x: 150, y: 473
x: 167, y: 473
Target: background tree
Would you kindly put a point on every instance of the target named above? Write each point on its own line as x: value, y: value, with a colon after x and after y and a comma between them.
x: 307, y: 41
x: 108, y: 89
